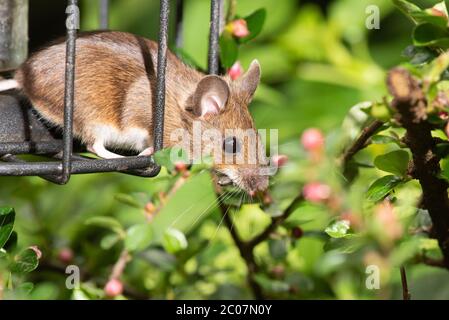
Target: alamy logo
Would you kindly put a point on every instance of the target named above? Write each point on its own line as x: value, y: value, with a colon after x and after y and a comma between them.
x: 73, y: 17
x: 373, y: 17
x: 372, y: 281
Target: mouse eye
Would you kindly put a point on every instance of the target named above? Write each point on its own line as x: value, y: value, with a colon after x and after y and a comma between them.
x: 231, y: 145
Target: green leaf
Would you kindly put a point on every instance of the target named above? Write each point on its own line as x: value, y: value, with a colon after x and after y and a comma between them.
x: 395, y: 162
x: 434, y: 71
x: 170, y: 156
x: 427, y: 34
x: 428, y: 244
x: 338, y: 229
x: 159, y: 258
x: 108, y: 241
x: 278, y: 248
x: 419, y: 55
x: 255, y: 22
x: 7, y: 217
x: 129, y: 200
x: 108, y: 223
x: 25, y: 262
x: 138, y: 237
x: 271, y: 285
x: 346, y: 245
x: 11, y: 244
x: 382, y: 139
x: 174, y: 241
x: 409, y: 9
x: 187, y: 207
x: 229, y: 50
x: 25, y: 288
x: 380, y: 188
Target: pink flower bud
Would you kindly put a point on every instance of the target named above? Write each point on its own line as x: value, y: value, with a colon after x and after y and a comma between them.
x: 438, y: 13
x: 316, y: 192
x: 239, y: 28
x: 37, y: 251
x: 180, y: 167
x: 312, y: 139
x: 297, y: 232
x: 443, y: 115
x: 387, y: 218
x: 113, y: 288
x: 235, y: 71
x: 65, y: 255
x: 279, y: 160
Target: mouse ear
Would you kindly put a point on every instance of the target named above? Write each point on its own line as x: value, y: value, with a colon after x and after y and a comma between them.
x: 210, y: 96
x: 250, y: 80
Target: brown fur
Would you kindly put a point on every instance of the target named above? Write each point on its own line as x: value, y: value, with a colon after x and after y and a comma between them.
x: 114, y: 80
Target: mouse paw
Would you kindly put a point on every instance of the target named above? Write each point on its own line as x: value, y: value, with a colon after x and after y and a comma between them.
x: 147, y: 152
x: 99, y: 149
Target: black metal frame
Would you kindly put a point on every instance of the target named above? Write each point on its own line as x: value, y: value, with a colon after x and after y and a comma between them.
x: 60, y: 171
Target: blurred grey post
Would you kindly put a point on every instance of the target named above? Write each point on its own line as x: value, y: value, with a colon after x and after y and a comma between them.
x: 104, y: 14
x: 13, y: 33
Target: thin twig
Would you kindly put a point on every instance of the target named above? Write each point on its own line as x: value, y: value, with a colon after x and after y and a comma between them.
x: 120, y: 265
x: 360, y: 143
x: 439, y: 263
x: 405, y: 292
x: 245, y: 252
x: 246, y: 248
x: 276, y: 222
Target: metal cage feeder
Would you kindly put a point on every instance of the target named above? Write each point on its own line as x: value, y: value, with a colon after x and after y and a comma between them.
x: 22, y: 133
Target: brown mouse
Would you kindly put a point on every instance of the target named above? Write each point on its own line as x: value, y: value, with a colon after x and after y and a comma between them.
x: 115, y: 79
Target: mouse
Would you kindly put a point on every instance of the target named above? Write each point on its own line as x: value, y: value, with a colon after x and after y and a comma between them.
x: 115, y: 85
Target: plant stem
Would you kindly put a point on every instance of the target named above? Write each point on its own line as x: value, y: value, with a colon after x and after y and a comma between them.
x: 410, y: 105
x: 405, y: 292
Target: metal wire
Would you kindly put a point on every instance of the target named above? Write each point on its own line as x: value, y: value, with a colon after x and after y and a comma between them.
x: 60, y: 171
x: 158, y: 118
x: 214, y: 36
x: 69, y: 97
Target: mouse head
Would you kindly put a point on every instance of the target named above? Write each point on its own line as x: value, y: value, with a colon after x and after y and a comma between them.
x: 220, y: 106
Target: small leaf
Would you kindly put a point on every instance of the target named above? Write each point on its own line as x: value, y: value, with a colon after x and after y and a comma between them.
x: 109, y: 241
x: 255, y: 22
x: 159, y: 258
x: 428, y: 244
x: 408, y: 8
x: 25, y: 262
x: 338, y: 229
x: 346, y: 245
x: 138, y: 237
x: 419, y: 55
x: 395, y: 162
x: 11, y: 244
x: 427, y: 34
x: 382, y: 139
x: 129, y: 200
x: 7, y: 217
x: 174, y: 241
x: 169, y: 156
x: 278, y: 248
x: 229, y: 50
x: 271, y: 285
x: 108, y: 223
x: 380, y: 188
x: 25, y: 288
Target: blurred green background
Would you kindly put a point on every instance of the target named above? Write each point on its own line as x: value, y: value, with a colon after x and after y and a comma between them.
x: 318, y: 59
